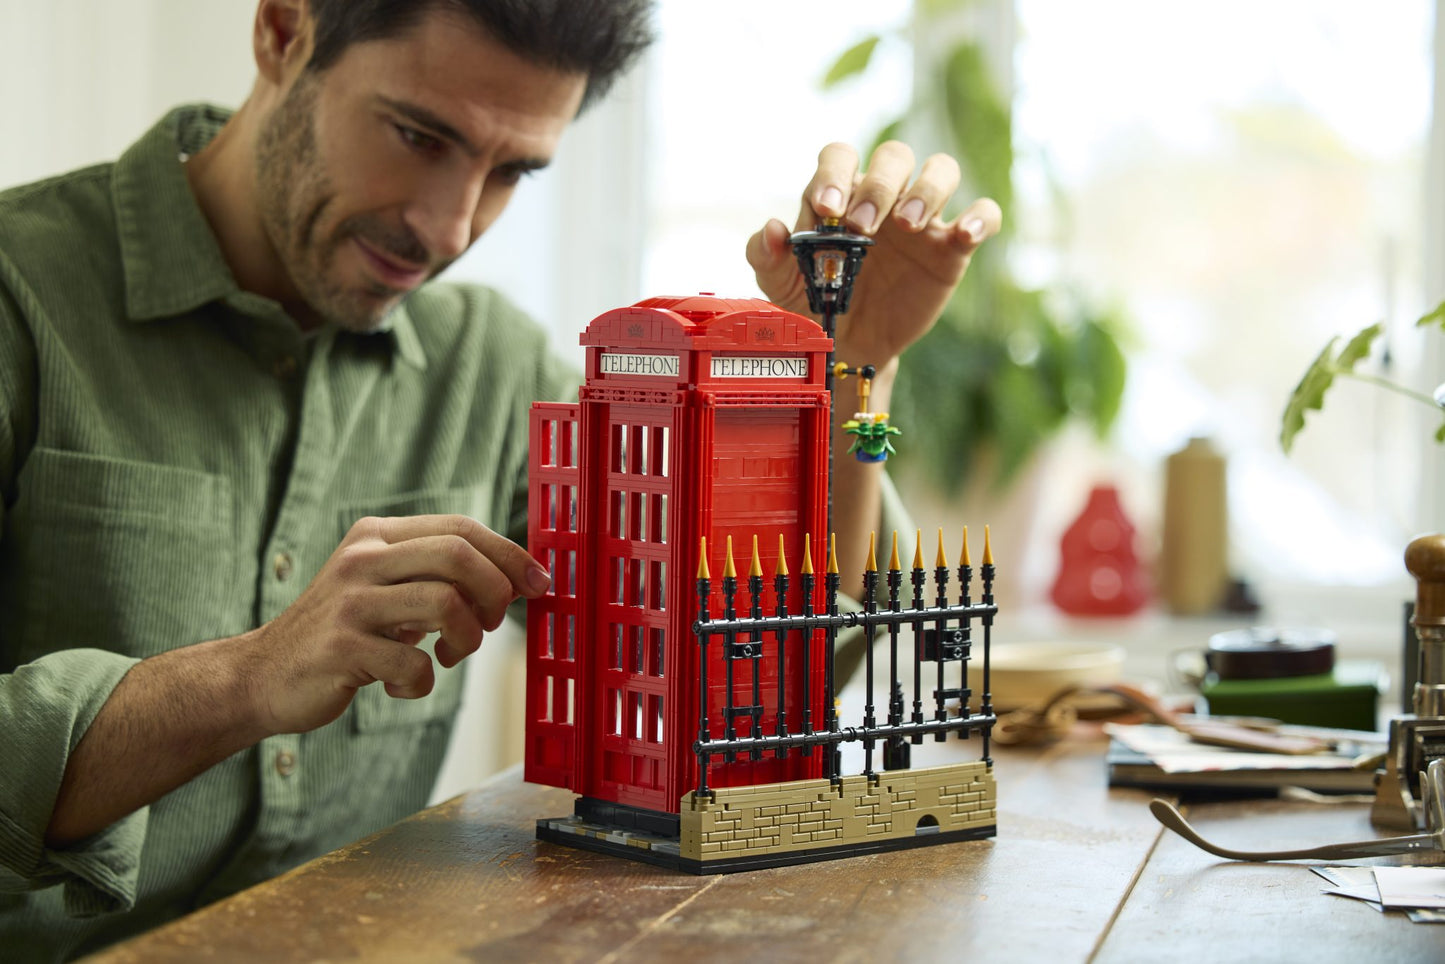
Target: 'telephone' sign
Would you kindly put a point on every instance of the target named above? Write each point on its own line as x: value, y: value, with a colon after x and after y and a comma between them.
x: 620, y: 364
x: 756, y: 366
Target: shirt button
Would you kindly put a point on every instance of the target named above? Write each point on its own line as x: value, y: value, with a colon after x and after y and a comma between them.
x: 281, y: 565
x: 285, y: 763
x: 284, y: 366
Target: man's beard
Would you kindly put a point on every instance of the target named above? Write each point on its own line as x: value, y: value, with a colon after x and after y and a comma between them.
x: 293, y: 196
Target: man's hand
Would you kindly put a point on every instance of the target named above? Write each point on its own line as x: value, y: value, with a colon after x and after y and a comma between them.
x: 917, y: 259
x: 389, y: 583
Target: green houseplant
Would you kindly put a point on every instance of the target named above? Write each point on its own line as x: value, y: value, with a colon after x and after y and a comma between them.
x: 1339, y: 362
x: 1006, y: 366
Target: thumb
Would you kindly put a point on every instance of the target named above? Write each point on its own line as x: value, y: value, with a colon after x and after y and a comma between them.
x: 772, y: 261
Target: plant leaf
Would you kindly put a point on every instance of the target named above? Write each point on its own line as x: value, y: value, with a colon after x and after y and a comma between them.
x: 981, y: 122
x: 1440, y: 434
x: 1098, y: 380
x: 1357, y: 348
x: 1433, y: 317
x: 1309, y: 393
x: 852, y: 61
x: 889, y: 133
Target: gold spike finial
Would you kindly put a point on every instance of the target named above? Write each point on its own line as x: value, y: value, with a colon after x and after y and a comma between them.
x: 987, y: 548
x: 782, y: 567
x: 702, y: 572
x: 756, y: 569
x: 941, y: 560
x: 729, y: 570
x: 807, y: 554
x: 833, y: 554
x: 872, y: 558
x: 966, y: 560
x: 918, y: 549
x: 893, y: 565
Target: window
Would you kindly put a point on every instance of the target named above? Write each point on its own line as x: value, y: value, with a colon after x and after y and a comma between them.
x: 1241, y: 217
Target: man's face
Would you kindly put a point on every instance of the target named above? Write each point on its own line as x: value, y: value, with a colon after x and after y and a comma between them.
x: 378, y: 172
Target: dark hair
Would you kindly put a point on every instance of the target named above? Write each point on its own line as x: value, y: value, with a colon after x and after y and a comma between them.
x: 600, y: 38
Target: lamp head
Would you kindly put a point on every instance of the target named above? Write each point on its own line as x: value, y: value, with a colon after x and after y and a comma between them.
x: 829, y: 258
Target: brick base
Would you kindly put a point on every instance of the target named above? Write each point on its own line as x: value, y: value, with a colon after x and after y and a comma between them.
x: 781, y: 818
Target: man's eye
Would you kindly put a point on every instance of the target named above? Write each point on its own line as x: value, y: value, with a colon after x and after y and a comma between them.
x: 511, y: 176
x: 416, y: 140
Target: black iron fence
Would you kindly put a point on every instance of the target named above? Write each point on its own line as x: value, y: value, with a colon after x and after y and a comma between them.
x: 941, y: 635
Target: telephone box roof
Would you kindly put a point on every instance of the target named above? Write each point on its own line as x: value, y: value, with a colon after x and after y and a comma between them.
x: 705, y: 322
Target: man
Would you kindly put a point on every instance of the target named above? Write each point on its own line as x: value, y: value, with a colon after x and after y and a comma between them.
x: 248, y: 459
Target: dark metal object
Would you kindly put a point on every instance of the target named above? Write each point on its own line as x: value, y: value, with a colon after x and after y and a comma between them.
x: 1433, y: 784
x: 1417, y: 740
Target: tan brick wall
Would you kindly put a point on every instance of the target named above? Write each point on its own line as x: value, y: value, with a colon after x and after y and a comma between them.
x: 807, y: 814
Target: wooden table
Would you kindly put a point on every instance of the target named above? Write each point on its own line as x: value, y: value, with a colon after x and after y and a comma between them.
x: 1078, y: 872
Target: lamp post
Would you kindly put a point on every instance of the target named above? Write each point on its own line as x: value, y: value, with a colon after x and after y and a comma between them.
x: 829, y: 258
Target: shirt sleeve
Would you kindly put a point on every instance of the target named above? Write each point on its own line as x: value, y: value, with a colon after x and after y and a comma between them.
x: 47, y: 705
x: 45, y: 708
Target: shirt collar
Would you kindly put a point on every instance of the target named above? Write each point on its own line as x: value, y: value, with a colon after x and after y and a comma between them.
x: 172, y: 261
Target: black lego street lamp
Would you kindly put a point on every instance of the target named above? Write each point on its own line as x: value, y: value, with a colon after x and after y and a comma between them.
x: 829, y: 258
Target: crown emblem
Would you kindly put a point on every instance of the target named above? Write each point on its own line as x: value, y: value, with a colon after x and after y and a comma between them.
x: 636, y: 331
x: 764, y: 334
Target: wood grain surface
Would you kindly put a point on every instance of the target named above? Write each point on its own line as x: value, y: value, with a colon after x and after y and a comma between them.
x: 1077, y: 871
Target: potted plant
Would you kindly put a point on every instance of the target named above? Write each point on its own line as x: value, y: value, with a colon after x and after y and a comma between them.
x: 1007, y: 366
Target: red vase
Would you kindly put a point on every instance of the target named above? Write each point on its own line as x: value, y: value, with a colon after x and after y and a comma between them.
x: 1099, y: 571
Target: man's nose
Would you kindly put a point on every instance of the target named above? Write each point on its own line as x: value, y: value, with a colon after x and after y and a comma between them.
x: 442, y: 219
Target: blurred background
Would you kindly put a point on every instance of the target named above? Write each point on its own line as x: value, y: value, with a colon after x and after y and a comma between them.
x: 1198, y: 197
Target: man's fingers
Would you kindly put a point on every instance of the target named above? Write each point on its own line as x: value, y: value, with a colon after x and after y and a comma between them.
x: 875, y: 195
x: 979, y: 221
x: 925, y: 198
x: 526, y: 575
x: 446, y: 558
x: 430, y: 606
x: 405, y: 671
x: 827, y: 194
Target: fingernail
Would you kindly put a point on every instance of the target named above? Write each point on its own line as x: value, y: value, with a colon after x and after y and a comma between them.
x: 832, y: 199
x: 912, y: 212
x: 864, y: 215
x: 538, y: 579
x: 975, y: 229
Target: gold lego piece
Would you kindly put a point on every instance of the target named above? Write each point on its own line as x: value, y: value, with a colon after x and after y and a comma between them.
x: 918, y: 550
x: 941, y: 560
x: 966, y: 560
x: 702, y: 572
x: 756, y: 569
x: 729, y: 570
x: 872, y: 565
x: 807, y: 554
x: 833, y: 554
x: 893, y: 565
x: 782, y: 568
x: 987, y: 548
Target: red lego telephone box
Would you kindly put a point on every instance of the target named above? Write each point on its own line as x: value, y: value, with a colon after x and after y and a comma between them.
x: 700, y: 417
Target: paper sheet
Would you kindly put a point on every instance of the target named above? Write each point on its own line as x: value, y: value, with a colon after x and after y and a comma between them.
x: 1411, y: 886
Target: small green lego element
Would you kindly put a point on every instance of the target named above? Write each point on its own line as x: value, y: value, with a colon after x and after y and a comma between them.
x: 871, y: 430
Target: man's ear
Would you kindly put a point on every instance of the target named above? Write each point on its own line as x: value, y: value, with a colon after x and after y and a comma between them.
x: 283, y: 38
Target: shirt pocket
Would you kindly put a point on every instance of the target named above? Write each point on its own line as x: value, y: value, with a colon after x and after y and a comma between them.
x: 373, y: 709
x: 133, y: 557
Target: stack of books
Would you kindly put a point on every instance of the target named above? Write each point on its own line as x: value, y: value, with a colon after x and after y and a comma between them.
x: 1157, y: 757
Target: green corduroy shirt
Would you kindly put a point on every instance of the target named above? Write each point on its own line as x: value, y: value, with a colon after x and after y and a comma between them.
x: 177, y: 460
